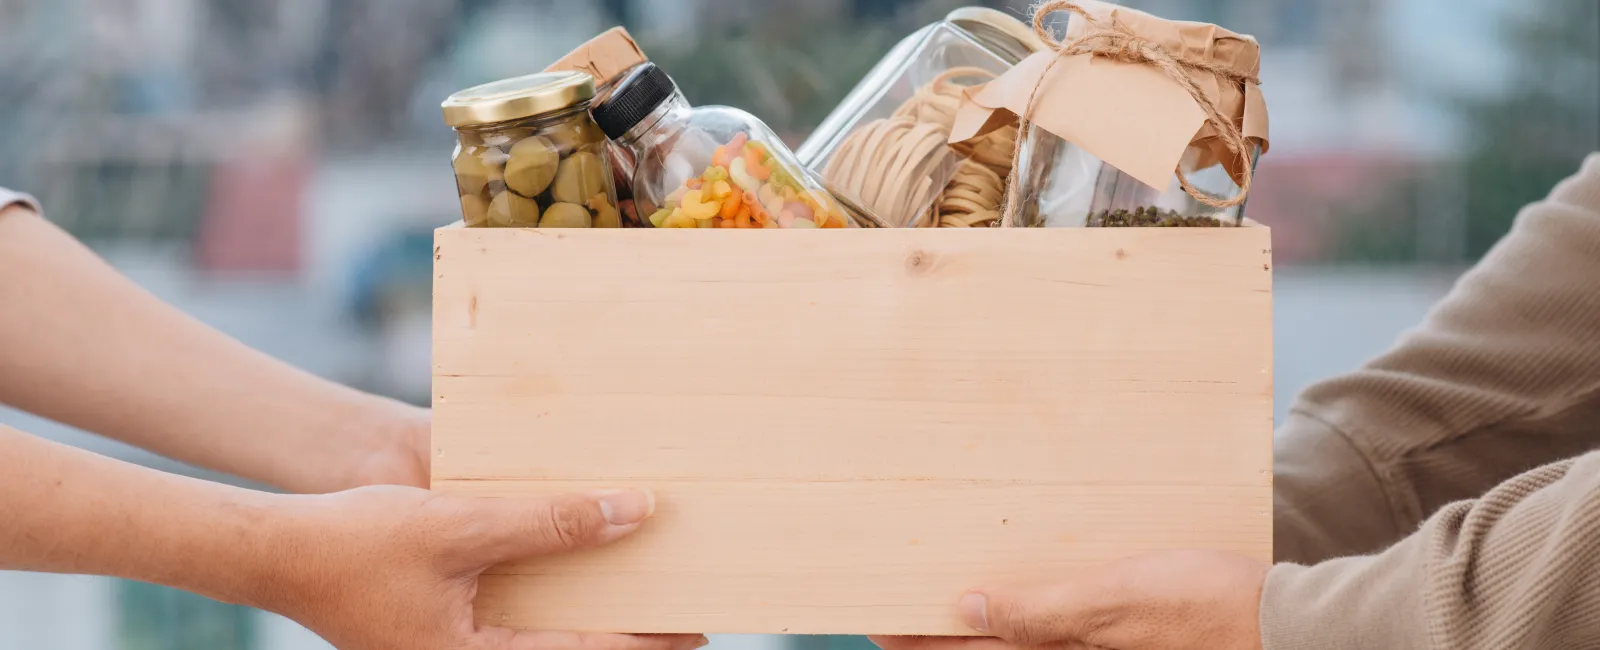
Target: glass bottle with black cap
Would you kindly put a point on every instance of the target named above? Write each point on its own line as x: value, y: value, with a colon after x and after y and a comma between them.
x: 707, y: 166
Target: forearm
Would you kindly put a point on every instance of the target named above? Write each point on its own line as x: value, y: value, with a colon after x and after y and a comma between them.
x: 82, y: 345
x: 69, y: 511
x: 1518, y: 568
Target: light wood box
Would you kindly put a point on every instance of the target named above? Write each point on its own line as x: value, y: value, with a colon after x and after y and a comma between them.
x: 847, y: 429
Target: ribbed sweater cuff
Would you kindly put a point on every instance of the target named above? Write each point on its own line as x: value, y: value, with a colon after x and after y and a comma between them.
x: 1356, y: 602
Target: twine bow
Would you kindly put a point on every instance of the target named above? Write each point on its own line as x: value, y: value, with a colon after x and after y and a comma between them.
x: 1117, y: 42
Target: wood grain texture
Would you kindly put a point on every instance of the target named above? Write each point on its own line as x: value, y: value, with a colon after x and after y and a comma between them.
x: 846, y: 429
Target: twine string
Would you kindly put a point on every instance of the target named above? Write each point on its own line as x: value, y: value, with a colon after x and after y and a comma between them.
x: 1115, y: 41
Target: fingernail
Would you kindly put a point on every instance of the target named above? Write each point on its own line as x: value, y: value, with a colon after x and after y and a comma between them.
x: 975, y: 611
x: 627, y: 507
x: 703, y: 642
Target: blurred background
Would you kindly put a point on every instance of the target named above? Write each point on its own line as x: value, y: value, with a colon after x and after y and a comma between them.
x: 275, y: 168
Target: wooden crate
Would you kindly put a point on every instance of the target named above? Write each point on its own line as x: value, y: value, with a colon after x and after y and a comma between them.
x: 847, y: 429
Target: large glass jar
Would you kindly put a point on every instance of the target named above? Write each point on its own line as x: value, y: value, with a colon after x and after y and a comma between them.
x: 711, y: 166
x: 885, y: 145
x: 1165, y: 146
x: 529, y: 156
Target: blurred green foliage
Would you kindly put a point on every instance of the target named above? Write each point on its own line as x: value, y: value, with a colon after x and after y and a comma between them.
x: 1540, y: 132
x: 1520, y: 144
x: 1380, y: 231
x: 790, y: 73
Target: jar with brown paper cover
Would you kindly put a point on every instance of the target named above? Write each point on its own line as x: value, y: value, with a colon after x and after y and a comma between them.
x: 529, y: 156
x: 1106, y: 143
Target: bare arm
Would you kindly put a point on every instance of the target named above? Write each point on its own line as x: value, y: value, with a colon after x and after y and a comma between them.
x: 82, y: 345
x: 384, y: 568
x: 69, y: 511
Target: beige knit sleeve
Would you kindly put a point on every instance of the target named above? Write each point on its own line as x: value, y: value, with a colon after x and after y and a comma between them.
x: 1516, y: 569
x: 1503, y: 376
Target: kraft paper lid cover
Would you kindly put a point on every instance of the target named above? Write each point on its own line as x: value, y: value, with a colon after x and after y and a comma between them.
x: 603, y: 57
x: 1129, y: 114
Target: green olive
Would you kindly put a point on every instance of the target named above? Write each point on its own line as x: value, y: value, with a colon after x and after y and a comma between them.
x: 533, y: 164
x: 565, y: 215
x: 505, y: 137
x: 577, y: 134
x: 476, y: 167
x: 593, y: 138
x: 580, y: 177
x: 508, y: 210
x: 474, y: 211
x: 605, y: 214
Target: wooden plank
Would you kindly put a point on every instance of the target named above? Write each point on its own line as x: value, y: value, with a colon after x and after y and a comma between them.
x: 845, y: 429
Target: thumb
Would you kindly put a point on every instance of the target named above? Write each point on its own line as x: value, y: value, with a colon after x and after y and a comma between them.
x: 512, y: 529
x: 1038, y: 615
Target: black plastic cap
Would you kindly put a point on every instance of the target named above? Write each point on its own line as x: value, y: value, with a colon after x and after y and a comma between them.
x: 631, y: 99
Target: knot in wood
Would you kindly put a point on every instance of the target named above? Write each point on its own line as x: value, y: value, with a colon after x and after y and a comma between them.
x: 919, y: 262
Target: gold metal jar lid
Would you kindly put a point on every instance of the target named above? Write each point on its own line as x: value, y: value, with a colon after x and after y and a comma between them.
x: 998, y: 30
x: 517, y: 98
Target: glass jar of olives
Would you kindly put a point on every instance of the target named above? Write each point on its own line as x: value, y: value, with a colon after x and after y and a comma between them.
x: 529, y: 156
